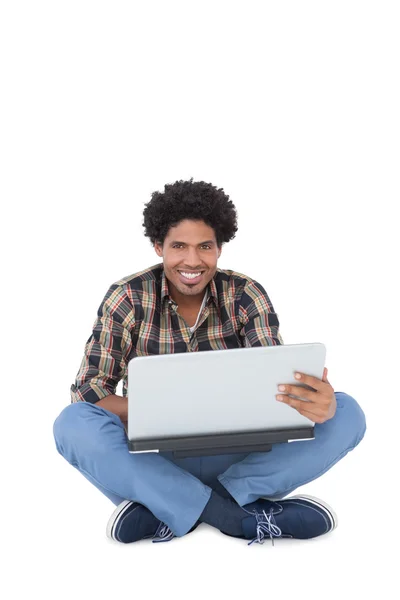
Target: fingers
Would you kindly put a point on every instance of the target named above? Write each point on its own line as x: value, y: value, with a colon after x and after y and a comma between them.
x: 312, y: 416
x: 312, y: 396
x: 308, y: 409
x: 299, y: 392
x: 314, y: 382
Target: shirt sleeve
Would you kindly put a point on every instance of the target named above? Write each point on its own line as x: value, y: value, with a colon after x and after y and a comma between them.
x: 107, y: 350
x: 258, y: 319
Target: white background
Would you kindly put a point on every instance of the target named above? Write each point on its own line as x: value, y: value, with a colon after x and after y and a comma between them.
x: 292, y: 108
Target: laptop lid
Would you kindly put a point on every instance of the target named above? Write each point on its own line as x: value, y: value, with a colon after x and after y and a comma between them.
x: 220, y: 401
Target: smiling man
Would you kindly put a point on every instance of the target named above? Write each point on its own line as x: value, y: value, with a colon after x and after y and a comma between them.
x: 190, y: 253
x: 186, y: 303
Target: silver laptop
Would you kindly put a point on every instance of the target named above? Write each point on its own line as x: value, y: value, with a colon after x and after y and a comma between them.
x: 218, y: 401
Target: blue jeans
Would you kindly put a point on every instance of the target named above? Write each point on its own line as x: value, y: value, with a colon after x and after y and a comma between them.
x: 94, y: 441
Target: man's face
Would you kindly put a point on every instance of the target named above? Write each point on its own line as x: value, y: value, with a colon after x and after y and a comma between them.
x: 189, y: 247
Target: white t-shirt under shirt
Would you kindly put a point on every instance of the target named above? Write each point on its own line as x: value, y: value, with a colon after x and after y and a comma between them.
x: 201, y: 308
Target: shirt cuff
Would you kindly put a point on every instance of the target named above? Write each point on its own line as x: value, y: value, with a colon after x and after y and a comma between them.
x: 89, y: 392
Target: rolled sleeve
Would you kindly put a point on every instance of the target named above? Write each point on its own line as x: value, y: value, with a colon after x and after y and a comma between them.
x: 91, y: 392
x: 107, y: 350
x: 259, y: 321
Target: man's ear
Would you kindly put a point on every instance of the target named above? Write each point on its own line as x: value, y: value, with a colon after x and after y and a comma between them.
x: 158, y: 248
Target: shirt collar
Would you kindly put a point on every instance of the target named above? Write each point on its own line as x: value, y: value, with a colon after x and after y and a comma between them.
x: 211, y: 290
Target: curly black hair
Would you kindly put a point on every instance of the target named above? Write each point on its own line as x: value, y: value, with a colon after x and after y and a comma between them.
x: 195, y: 200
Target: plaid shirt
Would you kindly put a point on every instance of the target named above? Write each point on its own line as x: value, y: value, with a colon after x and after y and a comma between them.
x: 138, y: 317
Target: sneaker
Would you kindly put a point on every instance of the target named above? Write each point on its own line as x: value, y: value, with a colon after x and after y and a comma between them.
x: 300, y: 517
x: 131, y: 522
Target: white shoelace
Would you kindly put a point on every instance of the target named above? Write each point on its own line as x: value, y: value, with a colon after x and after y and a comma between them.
x: 265, y: 524
x: 163, y: 534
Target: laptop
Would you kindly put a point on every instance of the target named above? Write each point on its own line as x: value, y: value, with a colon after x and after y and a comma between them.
x: 218, y: 401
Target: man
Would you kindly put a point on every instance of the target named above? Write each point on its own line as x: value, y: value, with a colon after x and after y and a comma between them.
x: 185, y: 303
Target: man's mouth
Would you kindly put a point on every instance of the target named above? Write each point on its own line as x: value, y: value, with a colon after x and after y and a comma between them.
x: 190, y: 277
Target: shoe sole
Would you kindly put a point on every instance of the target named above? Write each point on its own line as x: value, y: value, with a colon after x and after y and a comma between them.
x: 318, y: 502
x: 115, y: 518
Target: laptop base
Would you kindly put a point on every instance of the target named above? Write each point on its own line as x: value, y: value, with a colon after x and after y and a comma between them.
x: 223, y: 443
x: 226, y: 450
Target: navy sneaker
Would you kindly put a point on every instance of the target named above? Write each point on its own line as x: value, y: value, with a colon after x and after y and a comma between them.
x: 131, y: 522
x: 301, y: 517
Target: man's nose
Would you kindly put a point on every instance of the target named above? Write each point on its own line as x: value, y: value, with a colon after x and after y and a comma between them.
x: 192, y: 257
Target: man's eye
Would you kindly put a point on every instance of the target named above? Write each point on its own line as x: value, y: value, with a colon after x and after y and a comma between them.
x: 204, y: 246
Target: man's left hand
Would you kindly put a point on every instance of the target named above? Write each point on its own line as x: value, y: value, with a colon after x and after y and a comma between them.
x: 319, y: 405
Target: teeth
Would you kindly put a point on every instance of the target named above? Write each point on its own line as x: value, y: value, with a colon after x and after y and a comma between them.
x: 190, y: 275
